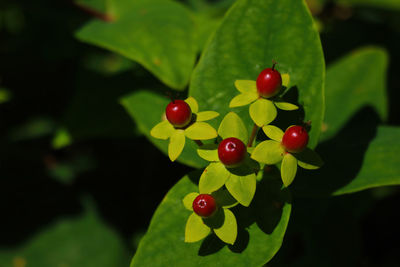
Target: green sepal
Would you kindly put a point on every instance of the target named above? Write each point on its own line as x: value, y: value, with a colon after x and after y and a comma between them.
x: 224, y: 198
x: 194, y: 106
x: 285, y: 79
x: 288, y: 169
x: 188, y: 200
x: 243, y: 99
x: 309, y: 159
x: 233, y: 126
x: 273, y: 132
x: 206, y: 115
x: 228, y: 230
x: 242, y: 187
x: 200, y: 131
x: 285, y: 106
x: 246, y: 86
x: 268, y: 152
x: 176, y: 144
x: 209, y: 152
x: 195, y: 229
x: 213, y: 178
x: 162, y: 130
x: 262, y: 112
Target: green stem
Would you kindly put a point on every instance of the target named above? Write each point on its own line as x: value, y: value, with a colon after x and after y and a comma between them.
x: 253, y: 135
x: 198, y: 142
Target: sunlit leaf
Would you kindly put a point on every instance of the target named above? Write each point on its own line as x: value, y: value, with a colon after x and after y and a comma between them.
x: 213, y: 178
x: 232, y: 126
x: 188, y: 200
x: 162, y: 130
x: 285, y: 106
x: 208, y: 152
x: 206, y: 115
x: 200, y: 131
x: 268, y: 152
x: 246, y: 86
x: 288, y: 169
x: 228, y: 231
x: 194, y: 106
x: 243, y: 99
x: 195, y: 229
x: 242, y: 188
x: 273, y: 132
x: 176, y: 144
x: 262, y: 112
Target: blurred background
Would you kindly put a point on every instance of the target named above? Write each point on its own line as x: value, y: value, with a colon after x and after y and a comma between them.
x: 77, y: 179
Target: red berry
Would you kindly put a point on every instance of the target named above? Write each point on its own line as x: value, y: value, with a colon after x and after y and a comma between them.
x: 204, y: 205
x: 295, y: 139
x: 178, y: 113
x: 269, y: 83
x: 231, y: 151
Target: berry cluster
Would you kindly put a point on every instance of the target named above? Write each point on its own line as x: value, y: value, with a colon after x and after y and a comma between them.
x: 230, y: 178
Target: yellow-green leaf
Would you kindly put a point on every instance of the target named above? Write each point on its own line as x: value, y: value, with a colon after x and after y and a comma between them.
x: 194, y: 106
x: 309, y: 159
x: 188, y: 200
x: 285, y: 79
x: 213, y: 178
x: 206, y: 115
x: 273, y: 132
x: 208, y: 152
x: 242, y: 188
x: 200, y: 131
x: 288, y: 169
x: 243, y: 99
x: 228, y: 231
x: 262, y: 112
x: 195, y: 229
x: 163, y: 130
x: 286, y: 106
x: 233, y: 126
x: 246, y: 86
x: 268, y: 152
x: 176, y: 144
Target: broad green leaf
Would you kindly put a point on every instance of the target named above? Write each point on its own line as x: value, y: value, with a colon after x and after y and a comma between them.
x: 147, y: 109
x: 355, y: 81
x: 241, y: 53
x: 176, y: 144
x: 262, y: 112
x: 188, y: 200
x: 162, y: 130
x: 273, y: 132
x: 246, y: 86
x: 232, y: 126
x: 242, y: 188
x: 288, y: 169
x: 228, y: 231
x: 194, y: 106
x: 285, y: 106
x: 208, y: 152
x: 158, y: 34
x: 268, y: 152
x: 200, y: 131
x: 79, y: 241
x: 195, y: 229
x: 308, y: 159
x: 243, y: 99
x: 213, y: 178
x: 265, y: 230
x: 206, y: 115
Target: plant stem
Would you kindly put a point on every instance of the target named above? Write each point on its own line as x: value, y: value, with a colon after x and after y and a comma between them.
x: 253, y: 135
x: 198, y: 142
x: 95, y: 13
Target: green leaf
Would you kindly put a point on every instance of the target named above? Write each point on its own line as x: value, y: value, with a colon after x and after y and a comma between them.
x: 200, y: 131
x: 194, y: 106
x: 188, y: 200
x: 288, y: 169
x: 176, y: 144
x: 273, y: 132
x: 285, y: 106
x: 246, y: 86
x: 262, y: 112
x: 228, y: 231
x: 308, y: 159
x: 162, y: 130
x: 242, y: 187
x: 147, y: 109
x: 158, y: 34
x: 224, y: 198
x: 243, y: 99
x: 5, y: 95
x: 195, y: 229
x: 232, y: 126
x: 243, y: 52
x: 208, y: 152
x: 355, y: 81
x: 213, y: 178
x: 285, y: 79
x: 265, y: 230
x: 268, y: 152
x: 206, y: 115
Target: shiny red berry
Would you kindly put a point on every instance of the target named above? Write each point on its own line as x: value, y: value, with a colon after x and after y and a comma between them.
x: 231, y: 151
x: 178, y: 113
x: 269, y: 82
x: 295, y: 139
x: 204, y: 205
